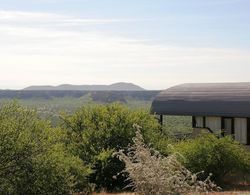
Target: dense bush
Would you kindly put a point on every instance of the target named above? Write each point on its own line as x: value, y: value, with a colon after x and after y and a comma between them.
x: 33, y: 156
x: 76, y: 156
x: 213, y: 155
x: 94, y: 133
x: 152, y: 173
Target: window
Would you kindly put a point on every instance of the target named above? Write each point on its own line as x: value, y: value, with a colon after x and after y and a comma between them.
x: 198, y: 122
x: 241, y: 130
x: 228, y: 126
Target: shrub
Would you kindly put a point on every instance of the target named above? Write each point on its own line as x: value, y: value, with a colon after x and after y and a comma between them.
x: 94, y: 133
x: 33, y: 156
x: 218, y: 156
x: 152, y: 173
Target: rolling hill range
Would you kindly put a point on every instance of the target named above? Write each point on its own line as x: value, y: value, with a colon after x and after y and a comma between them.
x: 49, y: 100
x: 113, y: 87
x: 96, y: 96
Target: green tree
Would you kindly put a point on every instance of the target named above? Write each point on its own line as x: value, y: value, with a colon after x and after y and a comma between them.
x: 94, y: 133
x: 218, y: 156
x: 33, y: 156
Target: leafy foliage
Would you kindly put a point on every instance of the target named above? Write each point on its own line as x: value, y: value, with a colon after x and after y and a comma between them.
x: 213, y: 155
x: 94, y: 133
x: 76, y: 156
x: 33, y: 158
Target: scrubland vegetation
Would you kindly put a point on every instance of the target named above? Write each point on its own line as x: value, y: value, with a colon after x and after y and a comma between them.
x: 152, y: 173
x: 79, y: 153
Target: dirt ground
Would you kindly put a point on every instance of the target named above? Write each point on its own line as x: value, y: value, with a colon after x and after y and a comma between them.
x: 217, y: 193
x: 210, y: 193
x: 239, y: 189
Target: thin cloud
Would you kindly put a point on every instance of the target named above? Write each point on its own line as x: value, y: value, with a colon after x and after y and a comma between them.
x: 34, y: 55
x: 48, y: 18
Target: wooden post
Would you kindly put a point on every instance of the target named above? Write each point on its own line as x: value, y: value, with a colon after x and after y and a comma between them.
x: 193, y: 122
x: 161, y: 120
x: 223, y: 126
x: 233, y: 128
x: 204, y: 122
x: 248, y: 131
x: 161, y: 123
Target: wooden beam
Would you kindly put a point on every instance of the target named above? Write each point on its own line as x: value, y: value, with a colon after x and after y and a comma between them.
x: 204, y: 122
x: 161, y: 120
x: 233, y: 128
x: 248, y: 131
x: 193, y: 122
x: 223, y: 126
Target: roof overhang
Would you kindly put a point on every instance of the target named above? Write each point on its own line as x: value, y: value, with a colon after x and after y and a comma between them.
x: 221, y: 99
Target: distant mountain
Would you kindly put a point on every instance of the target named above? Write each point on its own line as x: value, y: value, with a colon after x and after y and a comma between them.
x: 113, y: 87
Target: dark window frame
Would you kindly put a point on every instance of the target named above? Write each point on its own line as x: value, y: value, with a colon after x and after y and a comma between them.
x: 194, y: 123
x: 223, y: 125
x: 248, y: 131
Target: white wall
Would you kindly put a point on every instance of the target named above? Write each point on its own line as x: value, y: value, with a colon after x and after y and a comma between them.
x: 214, y: 123
x: 240, y: 129
x: 228, y: 126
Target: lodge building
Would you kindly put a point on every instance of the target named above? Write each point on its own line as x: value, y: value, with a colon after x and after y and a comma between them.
x: 222, y: 108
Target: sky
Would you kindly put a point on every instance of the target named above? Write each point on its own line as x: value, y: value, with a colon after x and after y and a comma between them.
x: 152, y: 43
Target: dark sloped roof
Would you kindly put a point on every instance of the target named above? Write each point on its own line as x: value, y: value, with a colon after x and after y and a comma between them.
x: 207, y: 99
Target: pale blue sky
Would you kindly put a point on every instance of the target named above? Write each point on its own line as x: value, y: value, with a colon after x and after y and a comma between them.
x: 153, y: 43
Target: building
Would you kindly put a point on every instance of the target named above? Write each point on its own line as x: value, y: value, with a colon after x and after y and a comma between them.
x: 218, y: 107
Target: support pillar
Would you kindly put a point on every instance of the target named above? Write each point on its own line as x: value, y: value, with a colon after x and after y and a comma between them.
x: 161, y: 120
